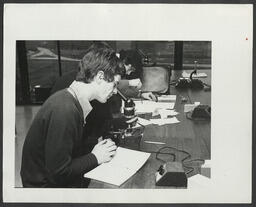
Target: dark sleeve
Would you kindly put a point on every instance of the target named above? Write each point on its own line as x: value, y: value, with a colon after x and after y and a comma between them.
x: 128, y: 91
x: 62, y: 130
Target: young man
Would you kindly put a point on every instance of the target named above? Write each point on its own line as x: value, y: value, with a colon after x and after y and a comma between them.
x: 102, y: 114
x: 54, y: 154
x: 131, y: 84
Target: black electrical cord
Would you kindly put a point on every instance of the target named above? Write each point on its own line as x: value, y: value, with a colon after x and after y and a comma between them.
x: 195, y: 160
x: 184, y: 161
x: 173, y: 148
x: 185, y: 164
x: 190, y: 171
x: 165, y: 153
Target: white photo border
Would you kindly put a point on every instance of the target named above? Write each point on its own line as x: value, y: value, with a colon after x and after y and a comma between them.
x: 229, y: 27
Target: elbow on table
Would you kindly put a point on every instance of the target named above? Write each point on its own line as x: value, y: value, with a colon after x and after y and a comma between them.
x: 61, y: 175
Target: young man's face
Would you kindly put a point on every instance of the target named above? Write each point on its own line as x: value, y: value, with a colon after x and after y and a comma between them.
x: 107, y: 89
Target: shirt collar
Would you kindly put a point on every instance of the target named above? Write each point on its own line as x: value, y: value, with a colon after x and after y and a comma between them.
x: 80, y: 92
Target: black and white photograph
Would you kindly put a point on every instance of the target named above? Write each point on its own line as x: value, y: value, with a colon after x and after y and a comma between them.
x: 136, y: 102
x: 65, y: 136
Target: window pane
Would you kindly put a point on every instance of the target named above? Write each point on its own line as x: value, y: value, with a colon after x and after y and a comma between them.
x: 73, y: 51
x: 42, y: 62
x: 199, y: 51
x: 160, y: 52
x: 43, y: 66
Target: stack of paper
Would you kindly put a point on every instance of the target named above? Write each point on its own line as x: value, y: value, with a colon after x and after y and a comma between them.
x: 166, y: 98
x: 125, y: 163
x: 151, y: 106
x: 158, y: 122
x: 144, y: 122
x: 164, y: 113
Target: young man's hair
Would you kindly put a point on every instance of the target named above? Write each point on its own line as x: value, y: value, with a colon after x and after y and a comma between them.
x: 126, y: 57
x: 99, y: 57
x: 134, y: 58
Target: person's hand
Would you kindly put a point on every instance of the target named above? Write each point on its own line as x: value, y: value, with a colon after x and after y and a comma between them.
x: 149, y: 96
x: 100, y: 139
x: 135, y: 83
x: 104, y: 151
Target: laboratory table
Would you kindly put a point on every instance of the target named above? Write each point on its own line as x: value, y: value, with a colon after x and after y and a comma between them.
x: 193, y: 137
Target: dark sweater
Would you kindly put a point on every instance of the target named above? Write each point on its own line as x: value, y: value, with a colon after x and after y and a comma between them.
x: 97, y: 120
x: 54, y: 154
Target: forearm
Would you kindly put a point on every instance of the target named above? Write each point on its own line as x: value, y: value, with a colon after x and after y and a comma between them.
x: 83, y: 164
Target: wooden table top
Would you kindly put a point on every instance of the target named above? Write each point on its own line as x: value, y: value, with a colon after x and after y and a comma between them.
x: 187, y: 135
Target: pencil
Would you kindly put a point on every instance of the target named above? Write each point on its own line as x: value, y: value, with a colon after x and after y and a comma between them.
x: 151, y: 142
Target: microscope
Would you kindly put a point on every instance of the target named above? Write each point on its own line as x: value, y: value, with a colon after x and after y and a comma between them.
x: 129, y: 113
x: 121, y: 129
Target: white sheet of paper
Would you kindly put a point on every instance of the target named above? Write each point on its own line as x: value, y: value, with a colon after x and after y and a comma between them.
x: 164, y: 113
x: 164, y: 105
x: 197, y: 103
x: 144, y: 122
x: 151, y: 106
x: 144, y: 107
x: 167, y: 98
x: 125, y: 163
x: 198, y: 75
x: 159, y: 122
x: 190, y: 107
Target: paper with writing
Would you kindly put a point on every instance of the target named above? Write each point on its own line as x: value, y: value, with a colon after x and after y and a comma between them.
x: 125, y: 163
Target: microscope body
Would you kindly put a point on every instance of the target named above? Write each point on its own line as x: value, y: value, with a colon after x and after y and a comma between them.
x: 122, y: 126
x: 129, y: 112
